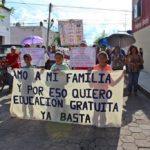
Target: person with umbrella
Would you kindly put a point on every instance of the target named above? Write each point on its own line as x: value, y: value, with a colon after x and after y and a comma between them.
x: 118, y: 59
x: 32, y: 40
x: 27, y: 46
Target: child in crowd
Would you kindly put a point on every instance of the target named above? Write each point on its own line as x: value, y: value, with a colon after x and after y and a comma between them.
x: 28, y: 59
x: 103, y: 65
x: 59, y: 57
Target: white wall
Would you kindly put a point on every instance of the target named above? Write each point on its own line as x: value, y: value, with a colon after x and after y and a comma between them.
x: 143, y: 41
x: 5, y: 25
x: 19, y: 33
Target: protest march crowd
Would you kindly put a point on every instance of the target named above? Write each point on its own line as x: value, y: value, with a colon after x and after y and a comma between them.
x: 107, y: 59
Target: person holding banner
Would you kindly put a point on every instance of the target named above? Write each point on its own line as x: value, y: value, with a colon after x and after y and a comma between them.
x: 83, y: 44
x: 27, y: 59
x: 59, y: 58
x: 102, y: 59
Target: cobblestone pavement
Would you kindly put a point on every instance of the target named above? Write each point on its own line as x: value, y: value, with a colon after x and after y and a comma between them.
x: 16, y: 134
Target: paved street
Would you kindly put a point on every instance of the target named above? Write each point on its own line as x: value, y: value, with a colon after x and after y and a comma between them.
x: 16, y: 134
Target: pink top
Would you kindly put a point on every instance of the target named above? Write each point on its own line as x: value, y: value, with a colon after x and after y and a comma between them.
x: 106, y: 68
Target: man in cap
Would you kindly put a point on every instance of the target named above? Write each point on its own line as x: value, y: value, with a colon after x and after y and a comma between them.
x: 13, y: 58
x: 83, y: 43
x: 13, y: 63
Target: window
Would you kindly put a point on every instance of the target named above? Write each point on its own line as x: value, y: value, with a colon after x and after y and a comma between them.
x: 137, y: 8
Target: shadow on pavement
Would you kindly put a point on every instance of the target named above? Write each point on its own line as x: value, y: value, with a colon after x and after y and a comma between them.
x: 4, y: 109
x: 77, y: 137
x: 4, y: 93
x: 136, y: 109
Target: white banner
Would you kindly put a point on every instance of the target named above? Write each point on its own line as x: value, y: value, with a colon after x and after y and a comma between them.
x: 37, y: 54
x: 83, y: 57
x: 71, y: 32
x: 78, y: 97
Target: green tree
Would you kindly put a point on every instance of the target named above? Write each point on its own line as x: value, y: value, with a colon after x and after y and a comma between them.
x: 96, y: 42
x: 56, y: 40
x: 2, y: 17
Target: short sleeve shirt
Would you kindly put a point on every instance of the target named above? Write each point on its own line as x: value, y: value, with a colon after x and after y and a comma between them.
x: 11, y: 58
x: 59, y: 67
x: 106, y: 68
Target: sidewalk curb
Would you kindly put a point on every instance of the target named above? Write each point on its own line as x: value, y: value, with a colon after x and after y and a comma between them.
x: 144, y: 91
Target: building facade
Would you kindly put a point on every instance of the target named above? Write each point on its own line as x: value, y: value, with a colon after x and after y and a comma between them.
x: 141, y: 28
x: 18, y: 33
x: 4, y: 25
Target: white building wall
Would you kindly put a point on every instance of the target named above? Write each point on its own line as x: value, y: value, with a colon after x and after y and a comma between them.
x: 18, y: 33
x: 5, y: 26
x: 143, y: 41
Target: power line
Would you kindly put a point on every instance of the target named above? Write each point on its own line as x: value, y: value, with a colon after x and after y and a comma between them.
x: 73, y: 7
x: 23, y: 3
x: 92, y: 8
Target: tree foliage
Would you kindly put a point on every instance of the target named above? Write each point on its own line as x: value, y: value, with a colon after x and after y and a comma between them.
x: 96, y: 42
x: 2, y: 17
x: 56, y: 40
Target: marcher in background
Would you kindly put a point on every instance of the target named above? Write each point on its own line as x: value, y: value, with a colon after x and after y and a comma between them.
x: 97, y: 52
x: 50, y: 60
x: 141, y: 52
x: 27, y: 45
x: 59, y: 65
x: 103, y: 48
x: 43, y: 47
x: 37, y: 46
x: 52, y: 55
x: 134, y: 62
x: 97, y: 49
x: 118, y: 59
x: 122, y: 51
x: 108, y: 51
x: 13, y: 63
x: 82, y: 45
x: 47, y: 58
x: 103, y: 65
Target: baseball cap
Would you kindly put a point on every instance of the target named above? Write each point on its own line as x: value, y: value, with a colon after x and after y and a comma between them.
x: 13, y: 47
x: 59, y: 53
x: 103, y: 53
x: 83, y: 42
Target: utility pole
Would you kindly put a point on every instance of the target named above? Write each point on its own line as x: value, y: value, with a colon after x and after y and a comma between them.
x: 49, y: 22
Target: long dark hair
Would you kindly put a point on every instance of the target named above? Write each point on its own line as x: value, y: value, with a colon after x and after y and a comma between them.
x: 130, y: 50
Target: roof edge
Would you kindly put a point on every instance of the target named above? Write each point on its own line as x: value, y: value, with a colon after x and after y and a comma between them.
x: 2, y: 6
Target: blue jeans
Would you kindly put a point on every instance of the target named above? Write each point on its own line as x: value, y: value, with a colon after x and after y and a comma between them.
x: 133, y: 81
